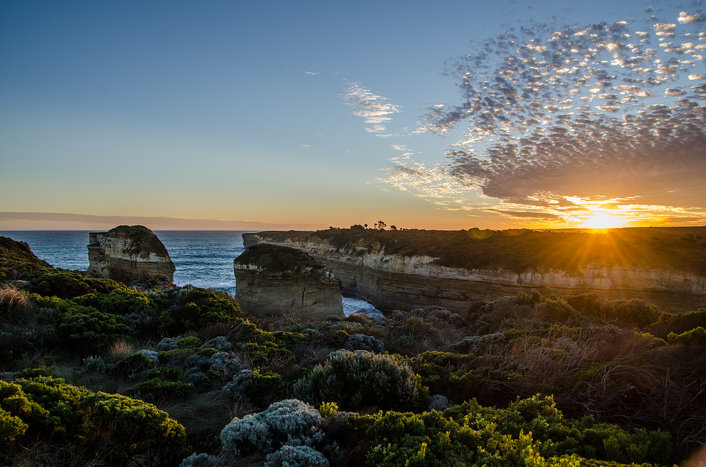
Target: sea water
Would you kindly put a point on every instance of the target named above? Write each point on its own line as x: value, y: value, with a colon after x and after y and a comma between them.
x: 202, y: 258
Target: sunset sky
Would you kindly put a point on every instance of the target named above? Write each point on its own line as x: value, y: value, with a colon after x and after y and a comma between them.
x: 267, y: 115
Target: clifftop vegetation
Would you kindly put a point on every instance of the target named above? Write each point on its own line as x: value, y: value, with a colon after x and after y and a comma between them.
x: 278, y: 259
x: 520, y: 250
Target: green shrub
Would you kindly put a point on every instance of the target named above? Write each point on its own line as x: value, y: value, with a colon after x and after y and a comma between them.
x: 107, y: 428
x: 678, y: 323
x: 694, y: 338
x: 134, y: 430
x: 124, y: 301
x: 189, y: 342
x: 555, y: 311
x: 529, y: 432
x: 633, y: 312
x: 132, y: 364
x: 194, y: 308
x: 357, y: 380
x: 93, y: 364
x: 167, y: 373
x: 268, y: 353
x: 462, y: 376
x: 89, y: 330
x: 157, y: 389
x: 69, y: 284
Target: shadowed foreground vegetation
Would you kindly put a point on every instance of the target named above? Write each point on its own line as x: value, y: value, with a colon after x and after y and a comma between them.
x: 95, y: 372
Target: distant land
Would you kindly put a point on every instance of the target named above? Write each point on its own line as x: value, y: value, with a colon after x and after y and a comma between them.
x: 72, y: 221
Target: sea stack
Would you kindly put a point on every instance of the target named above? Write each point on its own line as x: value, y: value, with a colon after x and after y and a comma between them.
x: 129, y: 253
x: 277, y: 280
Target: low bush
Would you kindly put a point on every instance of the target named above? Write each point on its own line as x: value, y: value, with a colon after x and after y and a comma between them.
x: 192, y: 308
x: 286, y: 422
x: 693, y: 338
x: 529, y: 432
x: 678, y: 323
x: 130, y: 365
x: 86, y: 329
x: 101, y: 428
x: 69, y: 284
x: 357, y: 380
x: 158, y: 389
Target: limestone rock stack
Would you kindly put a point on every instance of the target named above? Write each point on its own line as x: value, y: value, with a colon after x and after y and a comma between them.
x: 129, y: 253
x: 276, y: 280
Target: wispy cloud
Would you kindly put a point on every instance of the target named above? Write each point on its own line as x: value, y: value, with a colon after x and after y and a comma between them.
x: 596, y: 112
x: 312, y: 73
x: 375, y: 109
x: 72, y: 221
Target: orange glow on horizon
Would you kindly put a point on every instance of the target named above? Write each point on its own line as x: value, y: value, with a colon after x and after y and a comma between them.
x: 604, y: 220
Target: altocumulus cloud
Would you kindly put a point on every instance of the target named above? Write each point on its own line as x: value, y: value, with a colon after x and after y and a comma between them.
x: 375, y: 109
x: 604, y: 111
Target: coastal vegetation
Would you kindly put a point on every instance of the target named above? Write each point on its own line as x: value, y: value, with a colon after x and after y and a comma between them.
x: 520, y: 250
x: 99, y: 372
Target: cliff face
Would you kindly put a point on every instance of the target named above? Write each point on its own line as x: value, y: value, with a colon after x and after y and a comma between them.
x: 391, y: 281
x: 128, y: 253
x: 280, y: 280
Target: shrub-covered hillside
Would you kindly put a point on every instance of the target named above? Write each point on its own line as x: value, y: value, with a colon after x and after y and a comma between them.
x: 95, y: 372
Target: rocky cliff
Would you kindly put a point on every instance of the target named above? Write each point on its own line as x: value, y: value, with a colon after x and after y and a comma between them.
x: 400, y: 281
x: 276, y: 280
x: 128, y: 253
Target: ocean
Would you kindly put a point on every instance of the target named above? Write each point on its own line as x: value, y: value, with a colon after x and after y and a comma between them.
x: 202, y: 258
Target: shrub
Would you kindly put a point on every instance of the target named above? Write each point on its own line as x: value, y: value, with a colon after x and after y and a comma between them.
x: 260, y: 387
x: 70, y: 284
x: 157, y: 389
x: 364, y: 342
x: 89, y: 330
x: 131, y: 429
x: 189, y: 342
x: 281, y: 423
x: 678, y: 323
x: 128, y: 366
x: 633, y: 312
x: 93, y: 364
x: 296, y: 455
x: 237, y: 387
x: 529, y: 432
x: 555, y: 311
x: 356, y: 380
x: 194, y: 308
x: 125, y: 301
x: 694, y: 338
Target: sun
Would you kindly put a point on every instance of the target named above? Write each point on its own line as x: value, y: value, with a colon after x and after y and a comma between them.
x: 604, y: 220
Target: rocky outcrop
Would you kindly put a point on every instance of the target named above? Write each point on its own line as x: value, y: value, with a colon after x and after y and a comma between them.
x: 276, y: 280
x: 391, y: 281
x: 129, y: 253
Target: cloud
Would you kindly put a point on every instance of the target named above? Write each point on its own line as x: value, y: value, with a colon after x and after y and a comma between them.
x: 527, y: 214
x: 686, y: 18
x: 375, y: 109
x: 593, y: 112
x: 312, y: 73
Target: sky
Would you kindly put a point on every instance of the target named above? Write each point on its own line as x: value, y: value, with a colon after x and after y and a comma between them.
x: 310, y: 114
